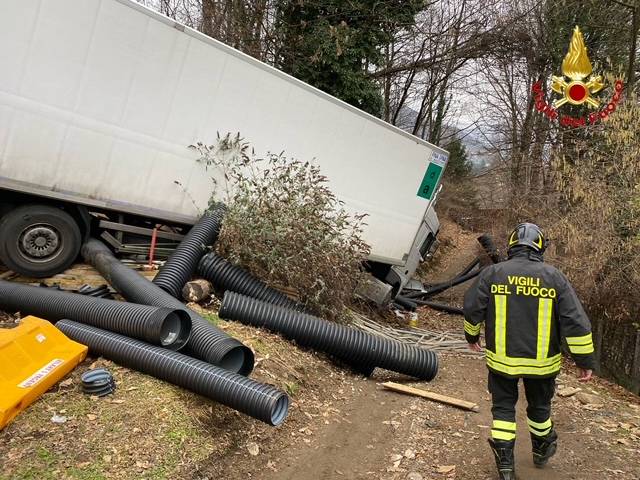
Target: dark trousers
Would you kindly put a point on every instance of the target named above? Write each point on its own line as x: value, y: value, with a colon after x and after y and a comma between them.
x: 504, y: 391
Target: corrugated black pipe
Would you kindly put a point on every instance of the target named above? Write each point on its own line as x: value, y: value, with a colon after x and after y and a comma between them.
x: 101, y: 291
x: 183, y: 261
x: 207, y: 342
x: 226, y: 276
x: 161, y: 326
x: 441, y: 306
x: 258, y: 400
x: 352, y: 346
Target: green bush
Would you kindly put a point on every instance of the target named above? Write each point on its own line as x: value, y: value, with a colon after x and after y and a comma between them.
x: 285, y: 225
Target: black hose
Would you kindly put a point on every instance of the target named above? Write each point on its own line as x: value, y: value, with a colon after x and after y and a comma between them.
x: 466, y: 274
x: 440, y: 306
x: 226, y: 276
x: 490, y: 247
x: 359, y: 349
x: 207, y: 342
x: 161, y: 326
x: 406, y: 303
x: 441, y: 287
x: 412, y: 295
x: 258, y: 400
x: 475, y: 262
x: 183, y: 261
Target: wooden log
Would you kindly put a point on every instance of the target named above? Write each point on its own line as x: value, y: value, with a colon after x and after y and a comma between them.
x: 436, y: 397
x: 196, y: 290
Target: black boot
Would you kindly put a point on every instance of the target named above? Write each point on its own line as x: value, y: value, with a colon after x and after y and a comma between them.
x: 503, y: 451
x: 544, y: 448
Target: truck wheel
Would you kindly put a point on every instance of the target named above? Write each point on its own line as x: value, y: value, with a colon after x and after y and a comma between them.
x: 38, y: 240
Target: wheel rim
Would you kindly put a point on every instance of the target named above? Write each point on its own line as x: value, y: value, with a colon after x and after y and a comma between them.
x: 40, y: 243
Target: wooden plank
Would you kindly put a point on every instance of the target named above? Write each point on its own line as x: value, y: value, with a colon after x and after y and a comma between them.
x: 436, y: 397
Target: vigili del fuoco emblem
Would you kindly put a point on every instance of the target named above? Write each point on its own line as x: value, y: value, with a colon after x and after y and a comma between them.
x: 576, y: 66
x: 577, y: 86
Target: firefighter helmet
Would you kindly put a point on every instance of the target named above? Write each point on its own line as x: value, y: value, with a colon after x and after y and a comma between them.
x: 529, y: 235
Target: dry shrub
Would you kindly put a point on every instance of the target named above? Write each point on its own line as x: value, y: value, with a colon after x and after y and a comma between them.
x: 285, y: 226
x: 597, y: 224
x: 459, y: 202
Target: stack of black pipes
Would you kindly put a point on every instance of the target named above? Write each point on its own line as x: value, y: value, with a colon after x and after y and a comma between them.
x: 214, y: 364
x: 250, y: 301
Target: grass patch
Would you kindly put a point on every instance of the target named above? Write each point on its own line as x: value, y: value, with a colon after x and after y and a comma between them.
x: 93, y: 472
x: 292, y: 388
x: 46, y: 456
x: 212, y: 318
x: 178, y: 435
x: 160, y: 472
x: 261, y: 347
x: 39, y: 470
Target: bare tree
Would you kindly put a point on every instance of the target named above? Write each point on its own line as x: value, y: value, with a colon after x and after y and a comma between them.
x: 424, y: 64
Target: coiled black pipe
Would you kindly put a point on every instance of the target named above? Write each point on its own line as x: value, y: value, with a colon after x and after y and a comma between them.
x: 226, y: 276
x: 207, y: 342
x: 357, y: 348
x: 161, y: 326
x: 183, y: 261
x: 258, y: 400
x: 98, y: 382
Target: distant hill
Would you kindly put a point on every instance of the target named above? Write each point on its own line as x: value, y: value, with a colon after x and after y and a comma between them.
x: 471, y: 138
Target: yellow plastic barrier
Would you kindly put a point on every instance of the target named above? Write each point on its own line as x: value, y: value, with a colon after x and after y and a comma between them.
x: 34, y: 356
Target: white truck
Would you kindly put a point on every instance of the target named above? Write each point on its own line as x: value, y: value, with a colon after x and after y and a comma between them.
x: 100, y: 99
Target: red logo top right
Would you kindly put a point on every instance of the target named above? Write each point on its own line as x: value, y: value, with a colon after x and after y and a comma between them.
x: 577, y: 86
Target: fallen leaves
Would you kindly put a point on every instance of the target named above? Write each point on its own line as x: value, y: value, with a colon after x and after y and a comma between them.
x: 395, y: 424
x: 568, y: 391
x: 66, y: 383
x: 589, y: 399
x: 446, y: 469
x: 253, y: 449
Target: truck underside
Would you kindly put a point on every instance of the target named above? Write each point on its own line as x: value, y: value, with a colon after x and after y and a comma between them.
x: 40, y: 237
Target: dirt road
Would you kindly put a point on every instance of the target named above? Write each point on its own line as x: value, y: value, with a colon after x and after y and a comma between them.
x: 380, y: 434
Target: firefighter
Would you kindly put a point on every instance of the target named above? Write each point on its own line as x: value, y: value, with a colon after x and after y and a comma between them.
x: 528, y: 308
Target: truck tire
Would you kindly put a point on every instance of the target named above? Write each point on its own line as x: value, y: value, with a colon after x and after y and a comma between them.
x: 39, y: 240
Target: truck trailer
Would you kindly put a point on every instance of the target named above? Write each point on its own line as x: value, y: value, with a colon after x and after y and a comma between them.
x: 100, y: 100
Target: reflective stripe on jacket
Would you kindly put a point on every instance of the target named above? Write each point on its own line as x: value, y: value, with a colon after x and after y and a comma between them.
x: 528, y: 307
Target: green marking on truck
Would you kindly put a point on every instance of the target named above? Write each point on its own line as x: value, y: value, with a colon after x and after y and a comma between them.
x: 430, y: 181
